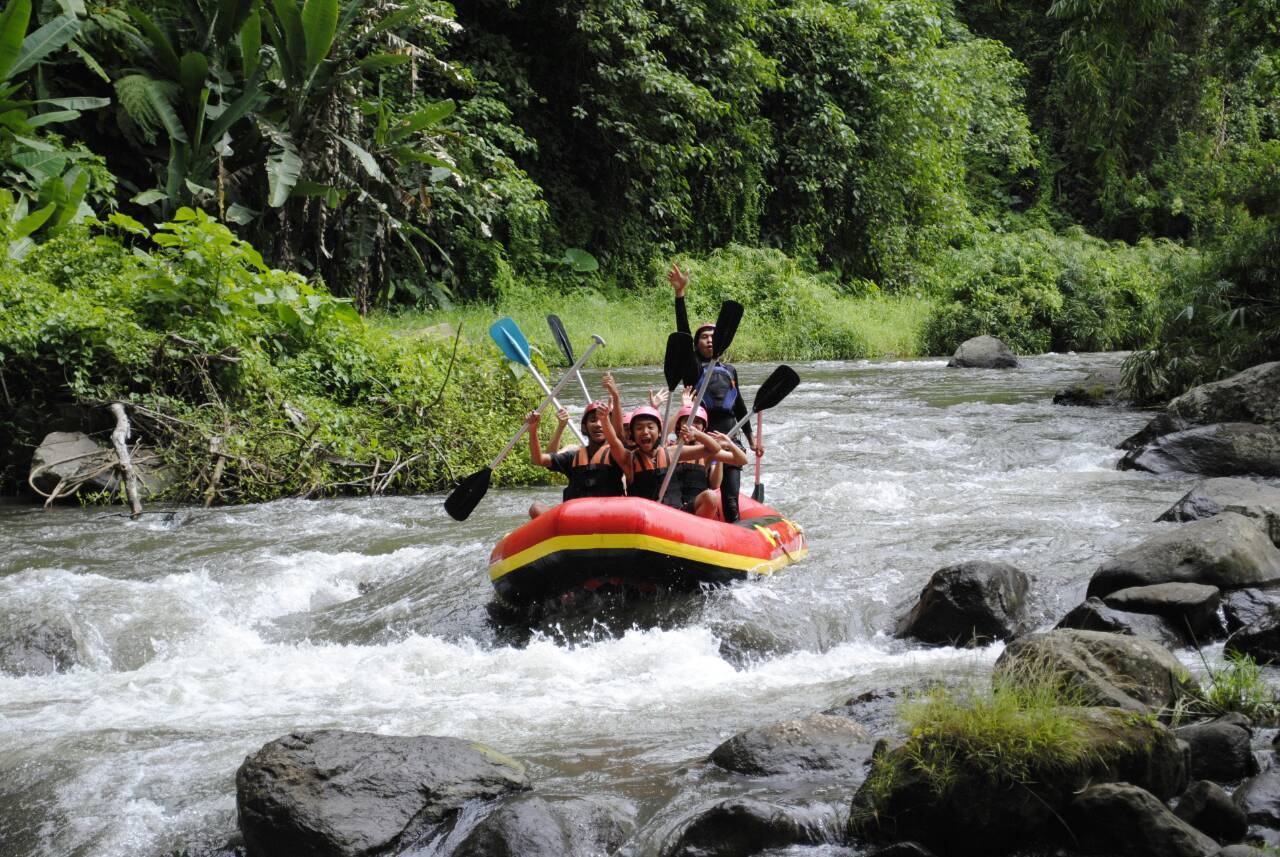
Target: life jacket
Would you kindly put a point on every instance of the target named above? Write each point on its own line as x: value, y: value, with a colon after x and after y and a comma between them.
x: 593, y: 476
x: 647, y: 473
x: 722, y: 390
x: 689, y: 480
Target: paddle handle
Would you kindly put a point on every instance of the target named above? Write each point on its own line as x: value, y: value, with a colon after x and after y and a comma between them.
x: 697, y: 402
x: 550, y: 397
x: 528, y: 364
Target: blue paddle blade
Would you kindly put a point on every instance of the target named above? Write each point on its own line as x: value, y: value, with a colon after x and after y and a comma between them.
x: 510, y: 340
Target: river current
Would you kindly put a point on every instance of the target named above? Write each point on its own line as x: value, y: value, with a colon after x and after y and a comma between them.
x: 203, y: 634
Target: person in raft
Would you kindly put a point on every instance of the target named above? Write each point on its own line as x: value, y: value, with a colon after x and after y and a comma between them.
x: 591, y: 469
x: 724, y: 406
x: 646, y: 465
x: 693, y: 486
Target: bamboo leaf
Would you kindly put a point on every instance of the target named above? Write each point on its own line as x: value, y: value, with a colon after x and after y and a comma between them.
x: 319, y: 25
x: 45, y: 41
x: 13, y: 29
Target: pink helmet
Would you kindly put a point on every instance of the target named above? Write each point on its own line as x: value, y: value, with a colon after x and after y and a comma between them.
x: 648, y: 413
x: 626, y: 418
x: 706, y: 325
x: 688, y: 409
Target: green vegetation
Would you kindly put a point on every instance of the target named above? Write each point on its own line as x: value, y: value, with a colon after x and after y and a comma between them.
x: 1237, y: 686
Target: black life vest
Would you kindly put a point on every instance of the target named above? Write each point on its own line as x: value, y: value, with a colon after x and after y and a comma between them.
x: 594, y: 476
x: 647, y: 473
x: 722, y: 390
x: 689, y: 481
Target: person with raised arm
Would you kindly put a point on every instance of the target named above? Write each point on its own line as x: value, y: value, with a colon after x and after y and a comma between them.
x: 590, y: 469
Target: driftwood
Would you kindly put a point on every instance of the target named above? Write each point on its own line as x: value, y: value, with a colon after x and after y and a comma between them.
x: 118, y: 440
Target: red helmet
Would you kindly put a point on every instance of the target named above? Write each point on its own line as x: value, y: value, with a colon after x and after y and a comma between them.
x: 688, y: 409
x: 594, y: 406
x: 647, y: 413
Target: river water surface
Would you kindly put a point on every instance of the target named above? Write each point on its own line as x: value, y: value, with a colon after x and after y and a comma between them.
x: 204, y: 634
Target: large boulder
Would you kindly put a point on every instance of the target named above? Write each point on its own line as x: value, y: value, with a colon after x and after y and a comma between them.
x: 967, y: 810
x: 1221, y: 750
x: 1260, y: 639
x: 1259, y: 797
x: 968, y: 603
x: 1103, y: 669
x: 1099, y: 387
x: 1093, y: 614
x: 743, y: 826
x: 333, y: 793
x: 31, y: 645
x: 71, y: 455
x: 1246, y: 606
x: 1228, y: 551
x: 1193, y: 606
x: 1125, y: 819
x: 820, y: 742
x: 1219, y: 449
x: 532, y: 826
x: 1246, y: 497
x: 983, y: 352
x: 1251, y: 396
x: 1209, y: 809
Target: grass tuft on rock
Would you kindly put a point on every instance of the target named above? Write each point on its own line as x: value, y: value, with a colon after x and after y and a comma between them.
x: 1237, y: 686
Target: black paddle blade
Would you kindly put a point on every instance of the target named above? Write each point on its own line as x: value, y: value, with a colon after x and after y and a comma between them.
x: 757, y: 493
x: 562, y: 338
x: 775, y: 388
x: 726, y: 327
x: 470, y: 491
x: 678, y: 357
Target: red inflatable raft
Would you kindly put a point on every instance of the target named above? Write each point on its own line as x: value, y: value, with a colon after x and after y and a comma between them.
x: 594, y: 542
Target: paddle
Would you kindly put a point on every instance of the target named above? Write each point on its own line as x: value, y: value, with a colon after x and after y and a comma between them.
x: 776, y: 387
x: 566, y: 348
x: 678, y: 365
x: 757, y: 493
x: 516, y: 348
x: 726, y: 328
x: 463, y: 500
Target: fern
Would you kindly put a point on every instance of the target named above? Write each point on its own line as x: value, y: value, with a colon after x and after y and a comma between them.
x: 137, y: 94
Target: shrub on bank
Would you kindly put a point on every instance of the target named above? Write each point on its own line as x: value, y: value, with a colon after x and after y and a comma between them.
x: 218, y: 355
x: 1040, y: 292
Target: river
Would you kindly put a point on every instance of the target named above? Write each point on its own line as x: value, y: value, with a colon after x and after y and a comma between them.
x: 206, y: 633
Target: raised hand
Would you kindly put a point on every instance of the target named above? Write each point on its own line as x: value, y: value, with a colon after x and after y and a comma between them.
x: 658, y: 399
x: 563, y: 416
x: 679, y: 279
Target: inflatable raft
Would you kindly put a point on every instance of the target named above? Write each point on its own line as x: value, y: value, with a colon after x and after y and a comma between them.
x: 626, y: 541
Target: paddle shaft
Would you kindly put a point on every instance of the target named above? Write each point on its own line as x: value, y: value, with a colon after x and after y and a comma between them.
x: 566, y: 348
x: 528, y: 364
x: 551, y: 395
x: 759, y: 440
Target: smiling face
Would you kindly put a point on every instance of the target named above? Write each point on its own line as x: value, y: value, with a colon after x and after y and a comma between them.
x: 705, y: 339
x: 593, y: 427
x: 646, y: 431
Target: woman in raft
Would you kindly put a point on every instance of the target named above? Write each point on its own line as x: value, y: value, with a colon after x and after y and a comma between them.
x: 645, y: 466
x: 693, y: 486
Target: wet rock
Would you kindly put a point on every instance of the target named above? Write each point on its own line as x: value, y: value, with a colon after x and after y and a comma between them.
x: 333, y: 793
x: 970, y: 603
x: 1209, y: 809
x: 1251, y: 396
x: 1243, y: 496
x: 1094, y: 615
x: 1228, y: 551
x: 820, y: 742
x: 902, y: 849
x: 1260, y: 639
x: 1259, y: 797
x: 70, y: 455
x: 743, y: 826
x: 1242, y: 851
x: 1221, y: 750
x: 983, y: 352
x: 1220, y: 449
x: 874, y: 710
x: 1099, y: 387
x: 37, y: 646
x: 1123, y: 818
x: 1187, y: 605
x: 1105, y: 669
x: 1246, y: 606
x: 976, y: 816
x: 531, y: 826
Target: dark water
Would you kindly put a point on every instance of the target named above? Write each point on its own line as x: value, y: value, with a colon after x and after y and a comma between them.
x: 207, y: 633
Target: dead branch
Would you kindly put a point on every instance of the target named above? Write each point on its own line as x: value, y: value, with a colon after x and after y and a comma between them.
x: 118, y: 439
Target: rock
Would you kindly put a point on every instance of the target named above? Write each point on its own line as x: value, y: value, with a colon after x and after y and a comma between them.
x: 1209, y: 809
x: 1242, y: 851
x: 968, y: 603
x: 1228, y: 551
x: 68, y: 455
x: 1259, y: 797
x: 1260, y: 639
x: 332, y: 793
x: 1246, y: 606
x: 820, y: 742
x: 1221, y: 750
x: 1105, y: 669
x: 1219, y: 449
x: 738, y: 827
x: 1251, y: 396
x: 1243, y: 496
x: 531, y: 826
x: 974, y: 815
x: 37, y: 646
x: 1099, y: 387
x: 1119, y: 817
x: 902, y: 849
x: 1094, y: 615
x: 1187, y: 605
x: 983, y: 352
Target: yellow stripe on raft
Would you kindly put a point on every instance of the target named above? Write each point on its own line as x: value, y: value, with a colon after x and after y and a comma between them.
x: 636, y: 541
